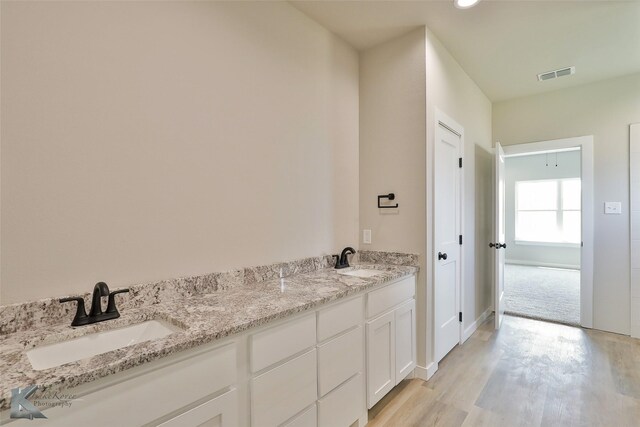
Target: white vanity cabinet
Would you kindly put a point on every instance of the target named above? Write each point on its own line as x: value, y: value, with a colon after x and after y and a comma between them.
x: 310, y: 367
x: 391, y: 337
x: 319, y: 368
x: 360, y: 348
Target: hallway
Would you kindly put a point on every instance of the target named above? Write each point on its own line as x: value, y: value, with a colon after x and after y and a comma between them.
x: 530, y: 373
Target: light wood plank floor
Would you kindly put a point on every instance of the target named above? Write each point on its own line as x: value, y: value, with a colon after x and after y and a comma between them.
x: 530, y: 373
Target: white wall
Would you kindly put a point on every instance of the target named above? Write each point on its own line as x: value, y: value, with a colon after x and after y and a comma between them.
x: 150, y: 140
x: 396, y: 130
x: 452, y: 91
x: 605, y: 110
x: 531, y: 168
x: 392, y: 152
x: 634, y: 181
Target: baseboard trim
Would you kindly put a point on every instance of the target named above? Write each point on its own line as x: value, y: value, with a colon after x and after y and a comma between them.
x: 432, y: 369
x: 425, y: 373
x: 542, y: 264
x: 420, y: 372
x: 474, y: 326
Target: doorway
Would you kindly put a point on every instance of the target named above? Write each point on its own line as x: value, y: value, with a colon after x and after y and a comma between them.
x: 548, y: 231
x: 543, y: 234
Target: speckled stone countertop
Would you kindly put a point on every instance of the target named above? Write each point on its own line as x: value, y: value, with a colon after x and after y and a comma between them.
x: 203, y: 318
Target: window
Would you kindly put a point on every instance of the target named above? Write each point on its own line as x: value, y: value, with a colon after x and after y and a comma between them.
x: 548, y: 211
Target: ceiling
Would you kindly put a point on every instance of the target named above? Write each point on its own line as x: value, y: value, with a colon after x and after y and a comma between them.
x: 503, y: 45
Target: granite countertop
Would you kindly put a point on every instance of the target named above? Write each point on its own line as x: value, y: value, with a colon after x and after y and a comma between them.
x: 202, y: 318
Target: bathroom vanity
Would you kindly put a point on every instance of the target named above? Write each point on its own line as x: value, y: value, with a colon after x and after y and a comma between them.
x: 319, y: 350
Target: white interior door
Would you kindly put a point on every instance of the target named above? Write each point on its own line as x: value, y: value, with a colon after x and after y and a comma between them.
x: 447, y: 209
x: 499, y: 235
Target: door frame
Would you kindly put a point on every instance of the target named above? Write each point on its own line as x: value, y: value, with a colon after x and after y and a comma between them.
x: 440, y: 118
x: 499, y: 165
x: 585, y: 143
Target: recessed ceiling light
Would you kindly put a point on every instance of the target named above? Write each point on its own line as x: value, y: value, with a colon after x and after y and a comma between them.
x: 465, y: 4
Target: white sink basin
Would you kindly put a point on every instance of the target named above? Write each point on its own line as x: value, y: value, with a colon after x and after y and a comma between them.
x: 49, y: 356
x: 364, y: 272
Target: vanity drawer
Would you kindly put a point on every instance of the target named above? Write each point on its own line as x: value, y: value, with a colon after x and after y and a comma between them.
x: 339, y: 318
x: 195, y: 375
x: 383, y: 299
x: 343, y: 406
x: 282, y: 341
x: 282, y: 392
x: 221, y: 412
x: 340, y: 359
x: 309, y: 418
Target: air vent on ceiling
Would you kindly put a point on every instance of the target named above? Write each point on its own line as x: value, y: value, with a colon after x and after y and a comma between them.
x: 556, y: 73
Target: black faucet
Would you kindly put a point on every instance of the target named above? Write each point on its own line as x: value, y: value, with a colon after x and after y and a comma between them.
x: 95, y: 314
x: 99, y: 290
x: 342, y: 261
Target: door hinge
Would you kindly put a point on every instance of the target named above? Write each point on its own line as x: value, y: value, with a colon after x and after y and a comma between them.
x: 460, y: 239
x: 460, y: 162
x: 460, y: 316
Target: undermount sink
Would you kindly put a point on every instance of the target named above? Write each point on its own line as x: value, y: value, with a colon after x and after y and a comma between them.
x: 52, y: 355
x: 363, y: 272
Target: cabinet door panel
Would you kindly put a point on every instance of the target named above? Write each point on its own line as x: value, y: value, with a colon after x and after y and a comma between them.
x: 381, y: 355
x: 405, y: 318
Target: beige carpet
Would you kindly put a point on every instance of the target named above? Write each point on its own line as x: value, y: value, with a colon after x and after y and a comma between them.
x: 542, y: 293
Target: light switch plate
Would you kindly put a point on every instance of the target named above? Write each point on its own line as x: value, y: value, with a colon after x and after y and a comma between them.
x: 612, y: 208
x: 366, y: 236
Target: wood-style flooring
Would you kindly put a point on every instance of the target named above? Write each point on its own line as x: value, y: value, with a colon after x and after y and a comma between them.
x: 530, y: 373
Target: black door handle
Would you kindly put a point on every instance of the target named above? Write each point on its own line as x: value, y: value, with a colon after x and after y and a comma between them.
x: 491, y: 245
x: 442, y: 256
x: 504, y: 246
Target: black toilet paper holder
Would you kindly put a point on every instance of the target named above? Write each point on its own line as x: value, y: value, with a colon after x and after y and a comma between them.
x: 390, y: 196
